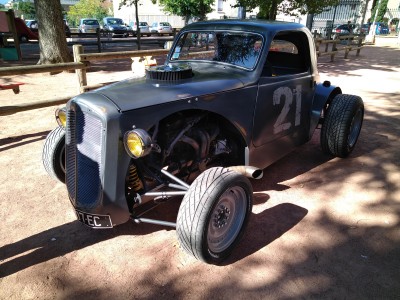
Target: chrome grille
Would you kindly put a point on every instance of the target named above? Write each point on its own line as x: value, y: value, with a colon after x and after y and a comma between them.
x: 83, y: 158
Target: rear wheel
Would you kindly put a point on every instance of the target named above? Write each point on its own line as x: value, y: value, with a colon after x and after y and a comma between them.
x: 53, y: 155
x: 214, y: 213
x: 342, y: 125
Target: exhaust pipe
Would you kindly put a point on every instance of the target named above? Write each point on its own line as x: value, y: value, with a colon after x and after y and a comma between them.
x: 248, y: 171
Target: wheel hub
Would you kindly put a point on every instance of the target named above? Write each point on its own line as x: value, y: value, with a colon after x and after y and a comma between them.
x: 221, y: 216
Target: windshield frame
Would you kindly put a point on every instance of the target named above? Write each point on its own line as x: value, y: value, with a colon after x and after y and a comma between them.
x: 183, y: 33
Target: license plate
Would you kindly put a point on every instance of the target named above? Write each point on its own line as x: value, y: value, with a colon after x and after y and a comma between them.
x: 94, y: 221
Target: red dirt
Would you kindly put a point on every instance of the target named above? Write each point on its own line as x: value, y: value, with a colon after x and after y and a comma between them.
x: 320, y: 228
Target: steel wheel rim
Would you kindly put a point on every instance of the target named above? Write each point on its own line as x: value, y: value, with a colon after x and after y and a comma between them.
x: 355, y: 128
x: 227, y: 219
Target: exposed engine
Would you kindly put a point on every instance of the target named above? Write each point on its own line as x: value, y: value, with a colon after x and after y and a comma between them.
x: 185, y: 145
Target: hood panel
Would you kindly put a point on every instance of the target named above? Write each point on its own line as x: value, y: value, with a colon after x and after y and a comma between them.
x: 137, y: 93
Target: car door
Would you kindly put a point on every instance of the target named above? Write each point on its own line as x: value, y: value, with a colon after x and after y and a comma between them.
x: 285, y: 92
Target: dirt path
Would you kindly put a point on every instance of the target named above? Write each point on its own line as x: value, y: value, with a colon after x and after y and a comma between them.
x: 321, y: 228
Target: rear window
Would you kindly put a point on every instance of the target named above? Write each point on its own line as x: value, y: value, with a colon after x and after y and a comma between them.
x: 164, y: 24
x: 142, y: 23
x: 115, y: 21
x: 283, y: 46
x: 90, y: 22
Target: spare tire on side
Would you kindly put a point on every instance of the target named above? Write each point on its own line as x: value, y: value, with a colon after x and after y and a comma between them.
x: 53, y: 155
x: 342, y: 125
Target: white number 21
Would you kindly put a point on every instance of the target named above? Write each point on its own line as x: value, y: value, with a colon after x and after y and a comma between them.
x: 285, y: 92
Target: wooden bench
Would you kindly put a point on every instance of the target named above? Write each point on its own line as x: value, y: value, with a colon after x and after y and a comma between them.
x: 11, y: 86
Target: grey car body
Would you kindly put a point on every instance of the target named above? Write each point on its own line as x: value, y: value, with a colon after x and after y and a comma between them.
x: 252, y: 96
x: 88, y: 25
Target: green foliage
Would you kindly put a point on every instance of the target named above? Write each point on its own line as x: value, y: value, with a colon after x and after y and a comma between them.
x: 88, y: 9
x: 268, y: 9
x: 381, y: 11
x: 24, y: 8
x: 188, y: 8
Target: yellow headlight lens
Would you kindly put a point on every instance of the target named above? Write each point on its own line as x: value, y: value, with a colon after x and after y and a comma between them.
x: 134, y: 144
x: 137, y: 143
x: 61, y: 117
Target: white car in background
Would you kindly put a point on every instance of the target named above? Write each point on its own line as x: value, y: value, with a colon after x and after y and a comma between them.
x: 161, y: 28
x: 144, y: 28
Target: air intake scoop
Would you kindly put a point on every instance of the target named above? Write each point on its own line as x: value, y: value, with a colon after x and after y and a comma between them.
x: 169, y: 72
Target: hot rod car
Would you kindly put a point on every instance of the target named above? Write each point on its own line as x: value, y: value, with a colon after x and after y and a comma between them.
x: 232, y: 98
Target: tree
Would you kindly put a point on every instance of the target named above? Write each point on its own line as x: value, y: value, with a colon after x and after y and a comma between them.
x: 135, y: 3
x: 97, y: 9
x: 52, y: 41
x: 268, y: 9
x: 25, y: 8
x: 188, y: 8
x: 381, y: 10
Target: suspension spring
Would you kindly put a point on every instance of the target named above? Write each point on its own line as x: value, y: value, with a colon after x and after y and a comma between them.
x: 134, y: 181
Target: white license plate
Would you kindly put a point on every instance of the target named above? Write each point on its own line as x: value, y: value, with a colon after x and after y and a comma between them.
x: 94, y: 221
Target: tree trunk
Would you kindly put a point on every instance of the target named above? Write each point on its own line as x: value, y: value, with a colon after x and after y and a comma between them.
x: 52, y: 41
x: 137, y: 24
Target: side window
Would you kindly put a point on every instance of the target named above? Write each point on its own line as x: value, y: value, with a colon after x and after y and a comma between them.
x: 289, y: 54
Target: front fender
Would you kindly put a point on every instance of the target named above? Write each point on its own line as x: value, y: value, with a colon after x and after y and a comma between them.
x: 324, y: 93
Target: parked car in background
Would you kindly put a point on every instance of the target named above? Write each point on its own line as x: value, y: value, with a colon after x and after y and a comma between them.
x: 144, y: 28
x: 380, y: 28
x: 115, y: 26
x: 23, y: 31
x: 365, y: 28
x: 88, y: 25
x: 345, y: 29
x: 33, y: 25
x: 161, y: 28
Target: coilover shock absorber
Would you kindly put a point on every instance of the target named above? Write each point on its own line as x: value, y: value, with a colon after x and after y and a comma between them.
x: 134, y: 184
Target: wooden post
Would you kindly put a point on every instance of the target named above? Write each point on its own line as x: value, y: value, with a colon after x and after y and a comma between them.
x: 98, y: 40
x: 348, y: 47
x: 359, y: 45
x: 82, y: 80
x: 334, y: 49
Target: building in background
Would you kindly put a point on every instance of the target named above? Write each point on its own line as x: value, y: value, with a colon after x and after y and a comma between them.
x: 150, y: 12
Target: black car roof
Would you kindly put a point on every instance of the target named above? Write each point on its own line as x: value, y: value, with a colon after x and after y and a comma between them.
x: 251, y: 25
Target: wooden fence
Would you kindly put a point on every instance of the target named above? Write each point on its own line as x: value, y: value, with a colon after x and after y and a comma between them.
x: 82, y: 63
x: 344, y: 43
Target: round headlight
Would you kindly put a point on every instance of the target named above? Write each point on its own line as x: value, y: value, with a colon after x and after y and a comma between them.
x: 61, y: 117
x: 137, y: 143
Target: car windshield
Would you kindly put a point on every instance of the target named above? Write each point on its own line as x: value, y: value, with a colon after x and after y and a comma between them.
x: 164, y: 24
x: 115, y: 21
x: 239, y: 49
x: 143, y: 24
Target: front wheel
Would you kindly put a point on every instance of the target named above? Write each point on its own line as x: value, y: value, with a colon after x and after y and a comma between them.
x: 342, y: 125
x: 53, y: 156
x: 214, y: 213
